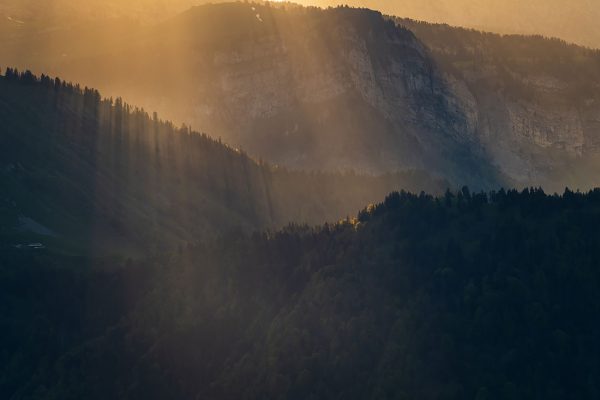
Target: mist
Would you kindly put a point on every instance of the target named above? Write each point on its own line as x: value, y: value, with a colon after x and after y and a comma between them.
x: 268, y: 200
x: 574, y: 21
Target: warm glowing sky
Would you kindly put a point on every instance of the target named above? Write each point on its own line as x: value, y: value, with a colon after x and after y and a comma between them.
x: 572, y: 20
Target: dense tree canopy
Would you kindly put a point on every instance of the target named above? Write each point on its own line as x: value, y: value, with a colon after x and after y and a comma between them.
x: 465, y: 296
x: 139, y: 260
x: 104, y: 176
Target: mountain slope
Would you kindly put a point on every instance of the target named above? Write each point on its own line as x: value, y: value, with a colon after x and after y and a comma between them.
x: 574, y: 21
x: 465, y: 296
x: 305, y: 88
x: 340, y: 88
x: 101, y: 174
x: 535, y: 101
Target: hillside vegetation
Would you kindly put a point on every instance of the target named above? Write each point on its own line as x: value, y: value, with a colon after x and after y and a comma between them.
x: 340, y: 88
x: 466, y: 296
x: 97, y: 174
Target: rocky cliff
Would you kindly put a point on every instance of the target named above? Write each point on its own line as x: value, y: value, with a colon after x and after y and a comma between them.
x: 534, y: 102
x: 349, y: 88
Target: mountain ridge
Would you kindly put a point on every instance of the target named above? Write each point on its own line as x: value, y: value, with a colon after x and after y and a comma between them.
x: 140, y: 259
x: 414, y: 297
x: 93, y: 169
x: 345, y: 88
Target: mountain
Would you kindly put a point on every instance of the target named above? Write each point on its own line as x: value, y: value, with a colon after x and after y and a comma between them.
x: 574, y: 21
x: 300, y: 88
x: 534, y: 102
x: 349, y: 88
x: 82, y: 173
x: 464, y: 296
x: 142, y: 260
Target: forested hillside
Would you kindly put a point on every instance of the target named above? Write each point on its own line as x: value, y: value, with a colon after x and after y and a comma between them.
x: 310, y: 244
x: 466, y: 296
x: 342, y: 88
x: 302, y: 87
x: 86, y: 173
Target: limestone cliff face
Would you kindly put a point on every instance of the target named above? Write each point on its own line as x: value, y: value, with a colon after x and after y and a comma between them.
x: 351, y: 89
x: 533, y: 103
x: 346, y: 88
x: 338, y: 89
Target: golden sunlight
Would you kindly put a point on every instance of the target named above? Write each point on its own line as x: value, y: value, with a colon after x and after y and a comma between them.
x: 209, y: 199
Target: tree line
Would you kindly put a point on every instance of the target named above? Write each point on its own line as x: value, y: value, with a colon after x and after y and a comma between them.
x: 459, y: 296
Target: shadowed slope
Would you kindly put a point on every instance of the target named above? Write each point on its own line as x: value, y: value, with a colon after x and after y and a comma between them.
x: 302, y: 87
x: 461, y: 297
x: 106, y: 175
